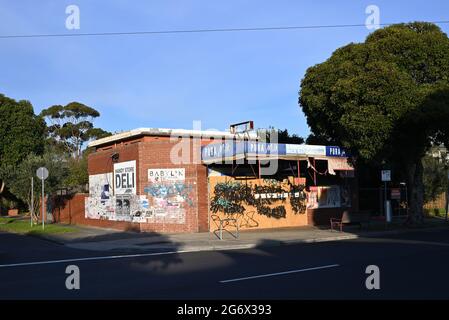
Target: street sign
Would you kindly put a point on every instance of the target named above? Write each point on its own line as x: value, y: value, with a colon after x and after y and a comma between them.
x: 42, y: 173
x: 386, y: 175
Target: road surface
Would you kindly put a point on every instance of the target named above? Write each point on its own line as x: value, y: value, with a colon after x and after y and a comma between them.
x: 413, y: 265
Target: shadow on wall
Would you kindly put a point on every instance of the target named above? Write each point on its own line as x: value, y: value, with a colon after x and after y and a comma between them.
x: 63, y: 207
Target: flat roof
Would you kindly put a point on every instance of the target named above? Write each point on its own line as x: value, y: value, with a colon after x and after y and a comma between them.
x: 165, y: 132
x: 253, y: 150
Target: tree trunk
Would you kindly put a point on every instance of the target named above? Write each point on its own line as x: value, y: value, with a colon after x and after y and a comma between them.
x: 416, y: 191
x: 2, y: 186
x: 36, y: 208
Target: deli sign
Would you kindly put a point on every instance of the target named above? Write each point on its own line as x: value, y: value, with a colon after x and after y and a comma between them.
x: 125, y: 177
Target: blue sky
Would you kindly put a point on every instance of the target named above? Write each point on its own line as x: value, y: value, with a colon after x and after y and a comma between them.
x: 170, y: 80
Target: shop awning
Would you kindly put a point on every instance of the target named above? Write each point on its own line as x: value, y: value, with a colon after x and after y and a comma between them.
x: 228, y: 151
x: 338, y: 164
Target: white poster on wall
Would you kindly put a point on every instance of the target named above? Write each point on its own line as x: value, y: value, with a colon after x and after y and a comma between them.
x: 100, y: 202
x: 326, y: 197
x: 100, y: 185
x: 125, y: 177
x: 166, y: 175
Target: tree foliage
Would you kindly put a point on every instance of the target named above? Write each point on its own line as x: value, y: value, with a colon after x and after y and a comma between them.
x: 436, y: 168
x: 71, y: 126
x: 280, y: 136
x: 78, y: 176
x: 386, y: 100
x: 19, y: 177
x: 21, y: 132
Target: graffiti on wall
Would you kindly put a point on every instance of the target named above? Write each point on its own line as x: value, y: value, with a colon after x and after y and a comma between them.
x: 112, y: 196
x: 229, y: 197
x: 168, y: 194
x: 268, y: 198
x: 298, y: 202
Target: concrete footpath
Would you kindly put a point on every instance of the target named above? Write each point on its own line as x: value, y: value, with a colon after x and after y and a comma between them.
x: 96, y: 239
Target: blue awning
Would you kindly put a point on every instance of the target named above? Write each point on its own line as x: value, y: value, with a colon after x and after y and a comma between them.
x: 252, y: 150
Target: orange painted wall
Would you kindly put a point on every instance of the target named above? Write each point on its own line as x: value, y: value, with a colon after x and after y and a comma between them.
x: 251, y: 219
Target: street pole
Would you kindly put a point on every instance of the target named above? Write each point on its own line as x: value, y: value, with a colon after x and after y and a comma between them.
x: 385, y: 200
x: 42, y: 173
x: 406, y: 196
x: 447, y: 202
x: 32, y: 201
x: 447, y: 197
x: 43, y: 206
x: 406, y: 200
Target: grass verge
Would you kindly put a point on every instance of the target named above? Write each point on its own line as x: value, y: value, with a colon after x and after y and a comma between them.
x: 21, y: 226
x: 437, y: 212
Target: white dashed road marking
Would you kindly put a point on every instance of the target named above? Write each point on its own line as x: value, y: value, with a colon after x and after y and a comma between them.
x: 280, y: 273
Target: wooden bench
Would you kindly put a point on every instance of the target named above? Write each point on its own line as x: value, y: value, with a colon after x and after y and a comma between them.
x: 350, y: 218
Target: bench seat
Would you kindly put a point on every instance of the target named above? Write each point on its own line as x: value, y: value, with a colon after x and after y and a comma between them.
x: 349, y: 218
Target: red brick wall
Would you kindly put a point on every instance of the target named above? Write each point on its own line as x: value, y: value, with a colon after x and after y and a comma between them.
x: 203, y: 199
x: 149, y: 152
x: 155, y: 153
x: 101, y: 162
x: 70, y: 210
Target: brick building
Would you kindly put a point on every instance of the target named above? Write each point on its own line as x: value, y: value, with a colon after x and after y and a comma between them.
x: 173, y: 180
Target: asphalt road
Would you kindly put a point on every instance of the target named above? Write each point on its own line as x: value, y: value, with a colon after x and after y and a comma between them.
x: 414, y: 265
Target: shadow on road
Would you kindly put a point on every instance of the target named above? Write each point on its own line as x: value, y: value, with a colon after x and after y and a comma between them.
x: 200, y: 275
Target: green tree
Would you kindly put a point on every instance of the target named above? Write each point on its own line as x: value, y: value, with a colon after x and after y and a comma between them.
x: 285, y: 137
x: 20, y: 177
x: 282, y: 136
x: 70, y: 126
x: 386, y: 100
x: 317, y: 140
x: 21, y: 132
x: 78, y: 176
x: 436, y: 168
